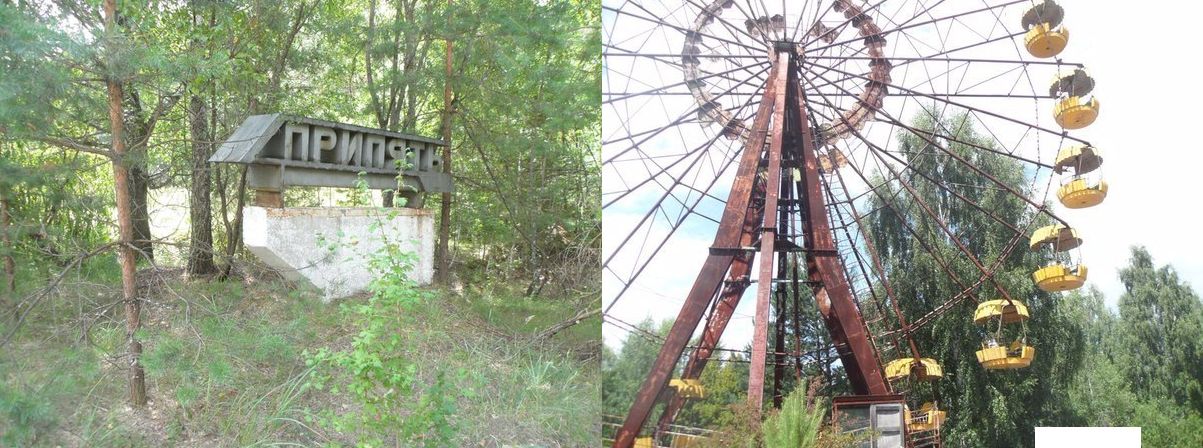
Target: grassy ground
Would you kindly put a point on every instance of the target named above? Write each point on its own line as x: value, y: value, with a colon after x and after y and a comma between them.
x: 224, y: 367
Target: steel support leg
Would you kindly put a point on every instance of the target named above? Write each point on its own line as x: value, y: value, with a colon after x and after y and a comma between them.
x: 709, y: 279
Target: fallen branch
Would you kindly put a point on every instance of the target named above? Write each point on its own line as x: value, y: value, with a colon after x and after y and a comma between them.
x: 32, y: 301
x: 578, y: 318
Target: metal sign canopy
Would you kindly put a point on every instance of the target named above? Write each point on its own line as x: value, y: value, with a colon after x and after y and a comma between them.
x: 283, y: 150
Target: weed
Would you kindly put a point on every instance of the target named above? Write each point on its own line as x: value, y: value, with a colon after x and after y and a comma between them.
x: 26, y: 415
x: 378, y: 371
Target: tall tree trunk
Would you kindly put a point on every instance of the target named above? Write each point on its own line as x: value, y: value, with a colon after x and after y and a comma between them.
x: 200, y: 208
x: 200, y: 245
x: 137, y: 130
x: 121, y: 180
x: 10, y: 267
x: 443, y: 274
x: 234, y: 231
x: 139, y: 186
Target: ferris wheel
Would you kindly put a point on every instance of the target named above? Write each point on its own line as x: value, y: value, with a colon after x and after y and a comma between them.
x: 781, y: 129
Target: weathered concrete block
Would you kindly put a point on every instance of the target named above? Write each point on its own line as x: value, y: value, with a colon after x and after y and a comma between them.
x: 298, y: 242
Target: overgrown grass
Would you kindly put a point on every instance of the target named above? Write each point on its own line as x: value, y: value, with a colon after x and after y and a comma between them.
x: 521, y: 315
x: 528, y: 392
x: 224, y: 368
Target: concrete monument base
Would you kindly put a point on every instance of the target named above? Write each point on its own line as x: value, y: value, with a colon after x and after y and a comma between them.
x: 303, y: 243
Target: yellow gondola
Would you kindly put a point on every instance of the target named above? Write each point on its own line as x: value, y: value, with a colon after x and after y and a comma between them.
x: 1043, y: 41
x: 1046, y: 37
x: 688, y: 387
x: 1015, y: 356
x: 644, y: 442
x: 994, y: 356
x: 927, y: 418
x: 686, y: 441
x: 1074, y: 110
x: 1060, y: 238
x: 1060, y: 277
x: 1079, y: 194
x: 1073, y: 113
x: 926, y: 369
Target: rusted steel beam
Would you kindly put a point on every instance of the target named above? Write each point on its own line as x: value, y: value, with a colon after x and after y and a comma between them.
x: 768, y: 237
x: 720, y: 315
x: 709, y: 279
x: 784, y: 227
x: 779, y: 358
x: 824, y: 267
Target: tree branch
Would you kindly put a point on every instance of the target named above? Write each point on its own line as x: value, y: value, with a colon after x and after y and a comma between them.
x: 90, y: 148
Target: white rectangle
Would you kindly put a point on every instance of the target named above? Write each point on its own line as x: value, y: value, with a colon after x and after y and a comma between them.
x: 1101, y: 437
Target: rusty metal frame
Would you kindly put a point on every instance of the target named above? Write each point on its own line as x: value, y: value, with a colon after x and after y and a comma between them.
x: 790, y: 138
x: 730, y: 233
x: 826, y: 273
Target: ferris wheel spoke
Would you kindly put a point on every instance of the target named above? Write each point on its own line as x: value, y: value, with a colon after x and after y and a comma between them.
x: 998, y: 20
x: 927, y: 138
x: 672, y: 60
x: 850, y: 239
x: 727, y: 24
x: 705, y: 147
x: 894, y: 175
x: 642, y: 265
x: 889, y: 204
x: 643, y: 223
x: 913, y: 25
x: 682, y: 119
x: 937, y: 97
x: 951, y: 235
x: 879, y: 269
x: 802, y: 18
x: 908, y: 61
x: 965, y: 293
x: 924, y: 59
x: 661, y: 22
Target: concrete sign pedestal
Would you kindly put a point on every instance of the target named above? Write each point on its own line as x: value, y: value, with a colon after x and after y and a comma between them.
x: 297, y: 241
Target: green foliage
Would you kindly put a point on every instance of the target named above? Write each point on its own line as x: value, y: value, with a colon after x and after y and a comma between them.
x: 32, y: 390
x: 379, y: 371
x: 1141, y: 365
x: 528, y: 393
x: 1165, y: 424
x: 726, y: 382
x: 1162, y: 320
x: 625, y: 371
x: 529, y: 133
x: 525, y: 129
x: 741, y: 430
x: 985, y: 408
x: 26, y: 415
x: 797, y: 423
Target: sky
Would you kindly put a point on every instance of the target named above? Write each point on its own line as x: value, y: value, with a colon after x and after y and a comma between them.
x: 1143, y: 131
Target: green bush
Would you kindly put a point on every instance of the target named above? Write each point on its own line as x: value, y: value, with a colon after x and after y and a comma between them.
x: 796, y: 424
x: 378, y: 371
x: 26, y: 414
